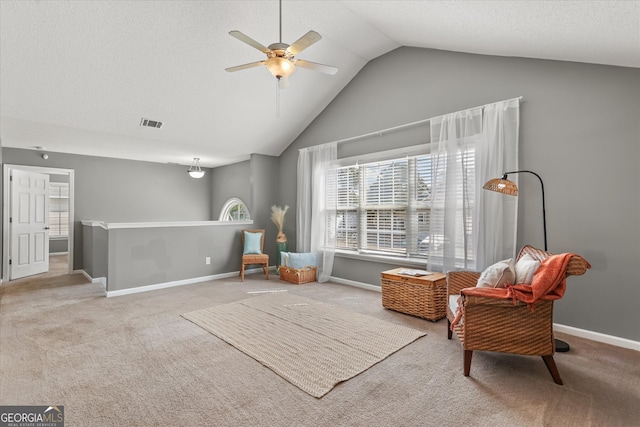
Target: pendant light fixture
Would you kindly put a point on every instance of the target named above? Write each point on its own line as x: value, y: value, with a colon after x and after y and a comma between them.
x: 194, y: 170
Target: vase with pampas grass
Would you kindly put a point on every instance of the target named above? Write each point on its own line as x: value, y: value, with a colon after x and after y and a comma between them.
x: 277, y: 216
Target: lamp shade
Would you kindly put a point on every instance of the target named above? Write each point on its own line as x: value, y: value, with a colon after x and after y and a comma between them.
x: 194, y: 170
x: 280, y: 67
x: 502, y: 185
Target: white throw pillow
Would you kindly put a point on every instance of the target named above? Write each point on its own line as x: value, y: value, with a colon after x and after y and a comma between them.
x: 498, y: 275
x: 525, y: 269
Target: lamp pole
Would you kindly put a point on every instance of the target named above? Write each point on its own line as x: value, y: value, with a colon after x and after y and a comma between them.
x: 544, y: 211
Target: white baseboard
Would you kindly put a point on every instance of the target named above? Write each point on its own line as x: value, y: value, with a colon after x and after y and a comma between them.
x: 597, y: 336
x: 102, y: 280
x: 183, y: 282
x: 157, y: 286
x: 355, y: 284
x: 570, y: 330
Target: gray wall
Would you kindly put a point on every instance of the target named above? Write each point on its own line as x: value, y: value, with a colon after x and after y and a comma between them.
x: 115, y: 190
x: 256, y: 183
x: 579, y: 130
x: 230, y: 181
x: 264, y: 194
x: 58, y: 246
x: 95, y: 246
x: 151, y: 256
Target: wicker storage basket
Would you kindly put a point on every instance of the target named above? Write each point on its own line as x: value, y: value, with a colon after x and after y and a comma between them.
x: 424, y: 296
x: 298, y: 276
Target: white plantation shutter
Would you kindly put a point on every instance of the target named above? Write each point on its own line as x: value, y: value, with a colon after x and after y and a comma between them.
x: 421, y: 205
x: 348, y: 194
x: 58, y: 209
x: 385, y: 207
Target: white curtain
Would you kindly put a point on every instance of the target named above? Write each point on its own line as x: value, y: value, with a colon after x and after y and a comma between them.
x: 454, y: 140
x: 498, y: 153
x: 316, y: 205
x: 472, y: 228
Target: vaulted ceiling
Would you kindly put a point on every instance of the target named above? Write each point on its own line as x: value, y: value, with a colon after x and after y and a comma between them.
x: 78, y: 76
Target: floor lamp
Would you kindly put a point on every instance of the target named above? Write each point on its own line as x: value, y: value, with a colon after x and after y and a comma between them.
x: 504, y: 186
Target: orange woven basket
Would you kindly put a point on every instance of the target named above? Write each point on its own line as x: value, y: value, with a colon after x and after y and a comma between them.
x: 298, y: 276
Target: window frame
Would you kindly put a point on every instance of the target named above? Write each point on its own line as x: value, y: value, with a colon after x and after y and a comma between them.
x: 229, y: 205
x: 410, y: 253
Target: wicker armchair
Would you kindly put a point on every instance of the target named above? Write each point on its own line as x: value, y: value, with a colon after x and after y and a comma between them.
x: 496, y: 324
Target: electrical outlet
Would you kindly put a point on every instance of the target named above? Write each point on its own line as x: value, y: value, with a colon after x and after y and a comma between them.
x: 207, y: 260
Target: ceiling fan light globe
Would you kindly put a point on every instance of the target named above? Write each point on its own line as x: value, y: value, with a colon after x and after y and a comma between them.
x: 280, y: 67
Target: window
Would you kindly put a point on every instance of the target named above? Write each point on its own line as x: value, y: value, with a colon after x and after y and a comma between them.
x: 58, y: 209
x: 384, y: 207
x: 234, y: 210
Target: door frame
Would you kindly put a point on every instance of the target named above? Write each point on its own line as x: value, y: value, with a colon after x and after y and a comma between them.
x: 6, y: 212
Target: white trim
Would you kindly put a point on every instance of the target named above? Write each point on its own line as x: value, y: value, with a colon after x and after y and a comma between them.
x: 173, y: 224
x: 597, y: 336
x: 91, y: 223
x: 224, y: 212
x: 6, y: 234
x: 355, y: 284
x: 113, y: 226
x: 157, y: 286
x: 569, y: 330
x: 102, y: 280
x: 182, y: 282
x: 120, y: 225
x: 397, y: 261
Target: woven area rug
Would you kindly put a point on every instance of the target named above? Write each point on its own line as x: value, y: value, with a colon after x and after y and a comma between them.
x: 311, y: 344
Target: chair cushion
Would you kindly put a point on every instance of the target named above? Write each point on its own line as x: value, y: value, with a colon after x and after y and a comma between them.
x: 302, y: 260
x: 498, y: 275
x: 252, y: 243
x: 525, y: 269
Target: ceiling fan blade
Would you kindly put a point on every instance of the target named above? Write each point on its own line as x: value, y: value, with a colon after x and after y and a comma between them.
x: 244, y: 66
x: 327, y: 69
x: 303, y: 42
x: 248, y: 40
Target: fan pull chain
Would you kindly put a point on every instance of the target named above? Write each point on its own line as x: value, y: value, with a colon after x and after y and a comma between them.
x: 278, y: 98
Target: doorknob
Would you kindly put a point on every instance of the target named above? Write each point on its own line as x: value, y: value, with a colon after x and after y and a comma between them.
x: 46, y: 228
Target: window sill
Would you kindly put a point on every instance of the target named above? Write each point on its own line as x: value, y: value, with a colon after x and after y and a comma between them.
x: 384, y: 259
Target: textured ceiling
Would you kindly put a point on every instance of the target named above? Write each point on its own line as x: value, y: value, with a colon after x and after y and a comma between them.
x: 77, y: 76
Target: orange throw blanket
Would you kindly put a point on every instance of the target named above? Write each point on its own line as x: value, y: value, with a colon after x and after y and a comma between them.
x: 549, y: 283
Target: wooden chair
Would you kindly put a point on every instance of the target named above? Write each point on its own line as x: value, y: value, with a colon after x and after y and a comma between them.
x: 492, y: 324
x: 258, y: 259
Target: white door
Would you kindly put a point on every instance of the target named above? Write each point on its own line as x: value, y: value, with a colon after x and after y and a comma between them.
x: 29, y: 224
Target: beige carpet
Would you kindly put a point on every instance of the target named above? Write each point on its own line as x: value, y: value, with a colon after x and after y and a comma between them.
x: 311, y: 344
x: 134, y: 361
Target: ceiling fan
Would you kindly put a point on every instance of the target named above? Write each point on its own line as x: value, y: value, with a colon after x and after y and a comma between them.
x: 281, y: 58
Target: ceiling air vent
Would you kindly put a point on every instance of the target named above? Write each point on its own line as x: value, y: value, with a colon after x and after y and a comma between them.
x: 150, y: 123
